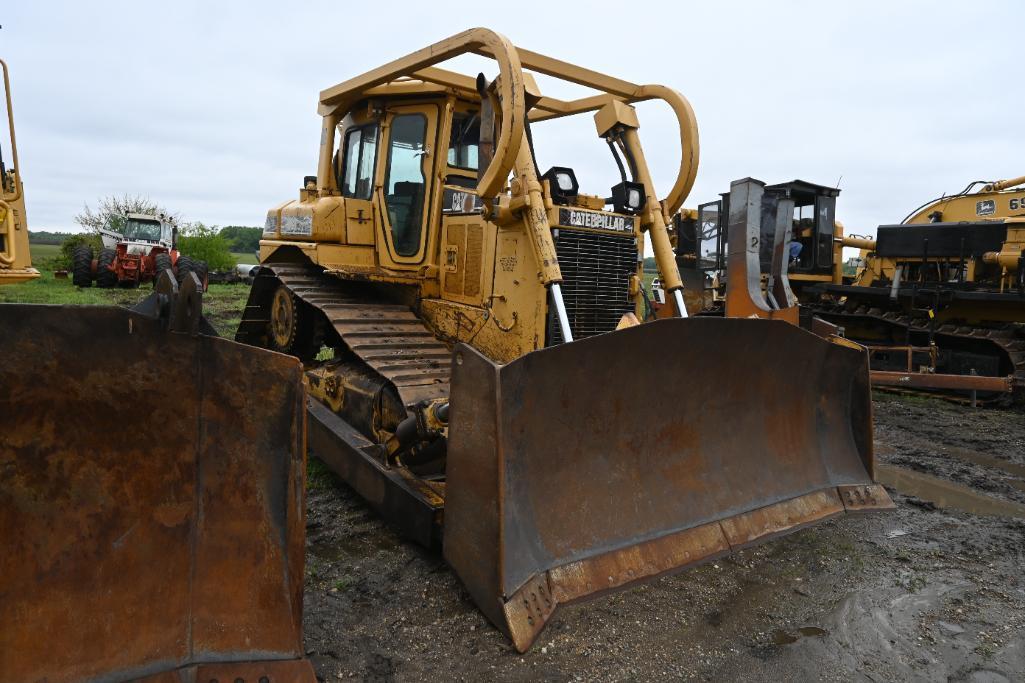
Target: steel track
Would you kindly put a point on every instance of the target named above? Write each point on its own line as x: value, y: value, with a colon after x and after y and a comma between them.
x: 387, y: 336
x: 1007, y: 340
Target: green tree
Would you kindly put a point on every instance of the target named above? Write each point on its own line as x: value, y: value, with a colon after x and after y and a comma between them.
x: 205, y: 243
x: 242, y: 238
x: 63, y: 260
x: 47, y: 237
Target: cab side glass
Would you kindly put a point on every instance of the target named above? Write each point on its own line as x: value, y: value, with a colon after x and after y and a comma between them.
x: 406, y: 182
x: 464, y: 141
x: 360, y: 153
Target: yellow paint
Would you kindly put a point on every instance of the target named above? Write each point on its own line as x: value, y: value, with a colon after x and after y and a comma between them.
x: 15, y: 259
x: 479, y: 277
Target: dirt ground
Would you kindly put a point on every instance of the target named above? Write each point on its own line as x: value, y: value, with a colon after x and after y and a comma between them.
x: 928, y: 592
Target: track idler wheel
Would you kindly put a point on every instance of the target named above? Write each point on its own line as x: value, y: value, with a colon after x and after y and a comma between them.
x: 293, y: 325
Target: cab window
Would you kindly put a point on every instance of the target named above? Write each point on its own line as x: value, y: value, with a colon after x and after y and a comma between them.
x: 406, y: 183
x: 360, y: 153
x: 463, y: 142
x: 148, y: 231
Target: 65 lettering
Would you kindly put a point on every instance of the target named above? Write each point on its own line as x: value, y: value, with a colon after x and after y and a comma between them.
x: 1018, y: 203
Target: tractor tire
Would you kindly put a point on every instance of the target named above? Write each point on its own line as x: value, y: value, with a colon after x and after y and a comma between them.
x: 105, y: 277
x: 203, y: 271
x: 82, y: 266
x: 161, y: 262
x: 185, y: 266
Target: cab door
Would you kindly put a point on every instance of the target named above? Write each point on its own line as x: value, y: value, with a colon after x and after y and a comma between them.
x: 405, y: 189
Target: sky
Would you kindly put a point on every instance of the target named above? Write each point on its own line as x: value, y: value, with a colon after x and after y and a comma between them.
x: 210, y: 108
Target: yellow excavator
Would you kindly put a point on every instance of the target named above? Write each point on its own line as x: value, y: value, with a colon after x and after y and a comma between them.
x: 469, y: 329
x: 152, y: 513
x: 15, y: 259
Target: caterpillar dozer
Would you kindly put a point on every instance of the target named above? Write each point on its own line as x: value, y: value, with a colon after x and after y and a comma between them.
x: 943, y: 290
x: 15, y: 259
x: 477, y: 373
x: 151, y: 497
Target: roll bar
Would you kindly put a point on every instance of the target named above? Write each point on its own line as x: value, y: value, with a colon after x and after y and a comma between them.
x: 16, y: 191
x: 420, y: 67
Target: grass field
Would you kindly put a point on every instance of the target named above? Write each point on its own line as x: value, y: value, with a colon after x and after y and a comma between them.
x: 222, y: 304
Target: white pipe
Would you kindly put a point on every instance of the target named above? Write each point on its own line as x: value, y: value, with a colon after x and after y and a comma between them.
x: 560, y: 310
x: 681, y: 307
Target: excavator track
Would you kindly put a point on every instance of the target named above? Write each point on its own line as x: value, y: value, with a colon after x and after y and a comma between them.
x: 1007, y: 340
x: 387, y: 336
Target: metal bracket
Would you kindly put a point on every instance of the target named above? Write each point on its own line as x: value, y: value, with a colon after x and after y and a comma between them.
x: 179, y: 308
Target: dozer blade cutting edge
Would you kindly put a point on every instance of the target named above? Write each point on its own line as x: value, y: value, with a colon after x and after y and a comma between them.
x: 577, y: 470
x: 151, y: 502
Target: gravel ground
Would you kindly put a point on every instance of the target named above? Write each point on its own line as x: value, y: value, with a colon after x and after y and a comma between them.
x: 929, y: 592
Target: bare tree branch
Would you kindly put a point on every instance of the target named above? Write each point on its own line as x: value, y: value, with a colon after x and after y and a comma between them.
x: 117, y: 205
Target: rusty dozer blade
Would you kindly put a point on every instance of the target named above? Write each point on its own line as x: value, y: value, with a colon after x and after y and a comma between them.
x: 589, y: 466
x: 151, y: 502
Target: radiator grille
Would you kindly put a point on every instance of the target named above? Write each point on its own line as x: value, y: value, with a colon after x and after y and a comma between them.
x: 596, y: 270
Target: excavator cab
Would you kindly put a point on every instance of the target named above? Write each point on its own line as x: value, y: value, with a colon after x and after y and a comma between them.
x: 469, y: 326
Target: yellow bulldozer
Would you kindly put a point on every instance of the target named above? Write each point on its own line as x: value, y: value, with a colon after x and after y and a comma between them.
x: 940, y: 297
x: 15, y: 260
x: 152, y: 513
x: 469, y: 329
x: 938, y: 300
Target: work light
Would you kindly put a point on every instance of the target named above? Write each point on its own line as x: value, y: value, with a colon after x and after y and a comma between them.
x: 628, y: 197
x: 563, y: 184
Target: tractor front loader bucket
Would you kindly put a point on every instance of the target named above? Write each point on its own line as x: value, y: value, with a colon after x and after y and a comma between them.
x: 151, y: 502
x: 590, y: 466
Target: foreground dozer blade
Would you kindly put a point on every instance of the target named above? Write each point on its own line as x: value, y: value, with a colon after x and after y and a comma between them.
x: 151, y: 502
x: 581, y: 468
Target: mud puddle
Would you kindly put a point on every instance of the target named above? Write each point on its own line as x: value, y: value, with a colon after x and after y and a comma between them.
x: 988, y: 461
x: 783, y: 637
x: 946, y: 494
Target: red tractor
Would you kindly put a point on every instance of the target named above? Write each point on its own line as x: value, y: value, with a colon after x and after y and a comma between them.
x: 136, y: 248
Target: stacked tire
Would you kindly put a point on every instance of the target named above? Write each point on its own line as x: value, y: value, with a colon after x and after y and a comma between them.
x: 82, y: 266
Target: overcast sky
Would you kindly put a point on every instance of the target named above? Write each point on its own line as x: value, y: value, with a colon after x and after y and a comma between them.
x: 210, y: 108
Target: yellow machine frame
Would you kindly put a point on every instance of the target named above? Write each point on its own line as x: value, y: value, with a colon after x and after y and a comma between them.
x: 508, y: 325
x: 15, y: 259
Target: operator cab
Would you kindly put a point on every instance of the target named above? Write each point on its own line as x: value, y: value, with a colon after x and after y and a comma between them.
x: 701, y: 237
x: 814, y: 218
x: 138, y: 229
